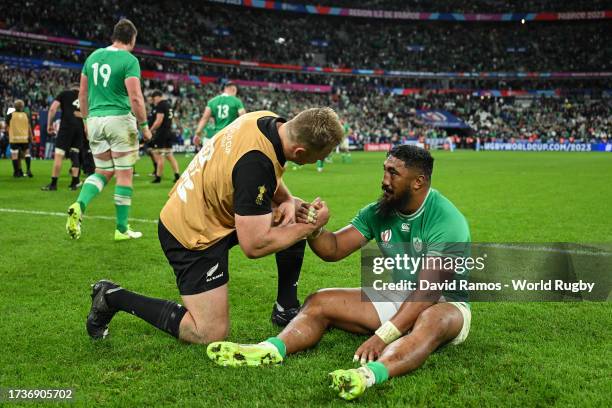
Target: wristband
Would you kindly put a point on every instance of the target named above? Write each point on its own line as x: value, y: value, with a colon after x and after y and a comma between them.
x: 143, y: 125
x: 388, y: 333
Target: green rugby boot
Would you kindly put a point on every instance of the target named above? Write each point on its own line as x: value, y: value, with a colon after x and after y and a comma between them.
x: 349, y: 384
x: 73, y: 224
x: 128, y: 234
x: 228, y: 354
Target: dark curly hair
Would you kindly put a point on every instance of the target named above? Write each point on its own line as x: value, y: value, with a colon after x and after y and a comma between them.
x: 415, y: 157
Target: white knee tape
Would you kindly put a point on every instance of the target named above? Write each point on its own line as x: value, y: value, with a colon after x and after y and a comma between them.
x: 125, y: 162
x: 103, y: 164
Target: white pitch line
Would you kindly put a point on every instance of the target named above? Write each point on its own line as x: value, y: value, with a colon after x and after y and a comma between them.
x: 63, y: 214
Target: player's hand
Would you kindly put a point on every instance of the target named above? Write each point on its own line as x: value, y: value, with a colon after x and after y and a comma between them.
x: 286, y: 210
x: 322, y: 214
x: 301, y: 213
x: 50, y: 130
x: 370, y: 350
x: 308, y: 213
x: 146, y: 134
x: 197, y: 141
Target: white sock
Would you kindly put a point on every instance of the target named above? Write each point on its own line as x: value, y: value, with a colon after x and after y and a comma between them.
x: 267, y: 344
x: 368, y: 374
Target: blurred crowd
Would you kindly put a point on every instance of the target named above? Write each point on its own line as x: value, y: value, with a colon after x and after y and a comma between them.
x: 261, y: 35
x: 376, y: 117
x: 356, y: 84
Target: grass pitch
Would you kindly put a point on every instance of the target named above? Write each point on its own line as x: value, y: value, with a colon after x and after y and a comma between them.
x: 517, y: 354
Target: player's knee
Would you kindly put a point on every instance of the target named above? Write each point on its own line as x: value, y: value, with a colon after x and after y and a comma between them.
x: 434, y: 324
x: 314, y: 304
x: 205, y: 333
x: 75, y: 158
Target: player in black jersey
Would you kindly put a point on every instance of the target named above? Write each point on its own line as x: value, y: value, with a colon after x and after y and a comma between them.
x: 163, y: 137
x: 146, y: 145
x: 70, y: 137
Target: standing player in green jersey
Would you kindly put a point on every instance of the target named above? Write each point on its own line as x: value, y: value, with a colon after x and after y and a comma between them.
x: 112, y: 104
x: 406, y: 327
x: 224, y: 109
x: 343, y: 148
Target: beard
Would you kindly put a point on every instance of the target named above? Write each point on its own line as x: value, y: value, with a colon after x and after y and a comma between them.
x: 388, y: 206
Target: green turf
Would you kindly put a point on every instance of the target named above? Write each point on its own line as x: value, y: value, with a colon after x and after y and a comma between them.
x: 518, y: 354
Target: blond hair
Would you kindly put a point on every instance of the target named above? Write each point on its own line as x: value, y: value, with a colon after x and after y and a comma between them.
x: 316, y: 128
x: 19, y: 105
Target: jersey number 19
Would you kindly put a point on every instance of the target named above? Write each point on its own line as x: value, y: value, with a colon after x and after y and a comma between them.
x: 104, y: 71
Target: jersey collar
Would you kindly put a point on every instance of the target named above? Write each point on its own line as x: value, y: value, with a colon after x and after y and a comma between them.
x: 418, y: 212
x: 267, y: 126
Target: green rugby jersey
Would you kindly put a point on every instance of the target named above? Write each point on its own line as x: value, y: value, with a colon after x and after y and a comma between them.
x: 346, y: 129
x: 106, y: 70
x: 437, y: 228
x: 209, y: 130
x: 224, y: 109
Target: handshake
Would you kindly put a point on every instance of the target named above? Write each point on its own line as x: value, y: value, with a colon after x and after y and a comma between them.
x: 314, y: 214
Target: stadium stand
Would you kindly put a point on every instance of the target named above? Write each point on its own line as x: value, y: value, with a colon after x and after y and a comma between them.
x: 291, y: 38
x: 379, y: 109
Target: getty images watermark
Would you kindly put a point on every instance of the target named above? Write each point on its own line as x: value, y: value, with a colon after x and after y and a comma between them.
x: 487, y: 271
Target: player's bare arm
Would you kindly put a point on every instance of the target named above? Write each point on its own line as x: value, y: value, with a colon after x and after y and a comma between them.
x: 334, y: 246
x: 203, y: 121
x: 331, y: 246
x: 159, y: 118
x: 257, y: 236
x: 287, y: 205
x: 132, y: 84
x: 52, y: 111
x: 83, y: 95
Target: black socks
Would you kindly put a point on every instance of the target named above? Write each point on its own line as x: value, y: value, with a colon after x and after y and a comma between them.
x: 289, y: 265
x: 163, y: 314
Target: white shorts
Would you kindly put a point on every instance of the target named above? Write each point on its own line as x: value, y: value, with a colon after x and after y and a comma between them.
x: 115, y: 133
x: 345, y: 144
x: 387, y: 309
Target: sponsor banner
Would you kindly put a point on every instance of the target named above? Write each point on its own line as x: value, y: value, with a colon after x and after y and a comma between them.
x: 325, y: 70
x: 408, y: 15
x: 377, y: 147
x: 415, y: 143
x: 441, y: 119
x: 548, y: 147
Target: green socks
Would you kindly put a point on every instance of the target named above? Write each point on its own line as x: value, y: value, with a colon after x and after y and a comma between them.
x: 280, y: 346
x: 123, y: 201
x: 381, y: 374
x: 92, y: 186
